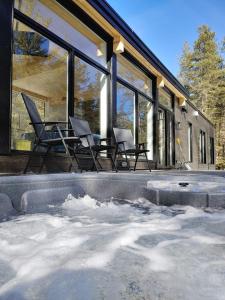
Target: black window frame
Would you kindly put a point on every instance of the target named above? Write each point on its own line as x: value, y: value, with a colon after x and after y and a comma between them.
x: 211, y: 150
x: 169, y: 115
x: 72, y: 52
x: 136, y: 91
x: 190, y: 142
x: 202, y: 147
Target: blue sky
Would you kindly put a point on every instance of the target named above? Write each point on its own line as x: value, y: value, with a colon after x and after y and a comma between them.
x: 164, y: 25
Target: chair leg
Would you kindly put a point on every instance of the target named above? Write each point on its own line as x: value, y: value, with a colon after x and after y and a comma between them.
x: 115, y: 158
x: 77, y: 161
x: 137, y: 155
x: 94, y: 161
x: 44, y: 158
x: 96, y: 158
x: 69, y: 156
x: 29, y: 159
x: 128, y: 163
x: 113, y: 163
x: 149, y: 167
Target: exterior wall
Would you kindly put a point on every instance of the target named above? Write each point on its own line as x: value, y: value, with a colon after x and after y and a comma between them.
x: 198, y: 123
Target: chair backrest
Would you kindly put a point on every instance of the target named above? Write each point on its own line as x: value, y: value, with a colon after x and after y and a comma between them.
x: 125, y: 135
x: 81, y: 127
x: 34, y: 116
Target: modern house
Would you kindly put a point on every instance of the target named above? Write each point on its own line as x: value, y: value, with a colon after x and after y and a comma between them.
x: 79, y: 57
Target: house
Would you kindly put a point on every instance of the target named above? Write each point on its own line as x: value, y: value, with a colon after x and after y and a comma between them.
x: 80, y: 58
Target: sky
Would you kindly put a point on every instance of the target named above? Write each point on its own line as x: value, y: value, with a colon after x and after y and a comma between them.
x: 164, y: 25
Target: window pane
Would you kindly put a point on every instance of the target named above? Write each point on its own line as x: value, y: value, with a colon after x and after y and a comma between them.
x: 125, y: 107
x: 190, y: 150
x: 162, y: 137
x: 53, y: 16
x: 165, y: 99
x: 133, y: 75
x: 40, y: 71
x: 145, y: 124
x: 90, y: 101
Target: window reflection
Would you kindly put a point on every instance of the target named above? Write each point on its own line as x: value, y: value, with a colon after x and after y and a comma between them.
x: 145, y: 124
x: 165, y: 99
x: 133, y: 75
x: 40, y: 71
x: 162, y: 137
x: 53, y: 16
x: 90, y: 94
x: 125, y: 107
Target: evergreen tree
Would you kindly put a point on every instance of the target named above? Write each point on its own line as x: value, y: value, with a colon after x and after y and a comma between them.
x: 202, y: 72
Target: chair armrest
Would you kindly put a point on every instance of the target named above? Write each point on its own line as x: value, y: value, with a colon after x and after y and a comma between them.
x: 47, y: 123
x: 84, y: 135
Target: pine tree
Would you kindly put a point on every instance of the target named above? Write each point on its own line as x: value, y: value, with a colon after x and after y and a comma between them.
x: 202, y: 72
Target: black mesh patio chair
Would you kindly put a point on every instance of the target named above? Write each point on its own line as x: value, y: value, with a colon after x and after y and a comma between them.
x: 49, y: 139
x: 125, y: 146
x: 88, y: 145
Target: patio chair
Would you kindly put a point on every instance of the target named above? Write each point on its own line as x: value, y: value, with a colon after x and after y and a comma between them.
x: 125, y: 146
x: 88, y: 145
x: 49, y: 138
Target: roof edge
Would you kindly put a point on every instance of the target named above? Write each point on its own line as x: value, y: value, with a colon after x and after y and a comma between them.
x: 111, y: 16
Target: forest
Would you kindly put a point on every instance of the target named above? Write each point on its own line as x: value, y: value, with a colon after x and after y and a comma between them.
x: 202, y: 72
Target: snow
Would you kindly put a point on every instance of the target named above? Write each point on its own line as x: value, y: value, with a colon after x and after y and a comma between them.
x: 85, y: 250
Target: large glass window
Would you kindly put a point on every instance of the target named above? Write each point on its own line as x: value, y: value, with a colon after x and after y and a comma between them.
x: 125, y: 108
x: 90, y: 96
x: 162, y: 137
x: 145, y: 124
x: 190, y: 147
x: 127, y: 71
x: 165, y: 99
x: 40, y: 71
x: 202, y: 147
x: 212, y: 150
x: 53, y: 16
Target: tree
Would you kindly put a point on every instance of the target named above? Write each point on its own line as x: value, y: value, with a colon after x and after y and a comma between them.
x: 202, y: 72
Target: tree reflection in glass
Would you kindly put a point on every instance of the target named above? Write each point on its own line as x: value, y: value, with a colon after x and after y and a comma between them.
x: 125, y: 107
x: 90, y: 102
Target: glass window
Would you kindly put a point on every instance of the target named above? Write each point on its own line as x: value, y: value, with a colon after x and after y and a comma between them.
x: 162, y: 137
x: 125, y: 108
x: 133, y: 75
x: 190, y: 147
x: 202, y: 147
x: 145, y: 124
x: 53, y: 16
x: 90, y: 96
x: 40, y: 71
x: 165, y: 99
x: 212, y: 150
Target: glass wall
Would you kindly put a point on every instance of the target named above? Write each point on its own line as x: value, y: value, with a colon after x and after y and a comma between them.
x: 202, y: 147
x: 130, y: 73
x: 40, y: 71
x: 90, y: 96
x: 190, y: 147
x: 53, y: 16
x: 212, y: 150
x: 145, y: 124
x: 162, y: 137
x: 166, y: 99
x: 125, y: 108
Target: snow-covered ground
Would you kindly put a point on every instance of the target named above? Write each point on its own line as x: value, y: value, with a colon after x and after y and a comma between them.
x: 83, y: 249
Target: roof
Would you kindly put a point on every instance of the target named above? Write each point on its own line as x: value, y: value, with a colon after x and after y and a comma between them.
x: 123, y: 28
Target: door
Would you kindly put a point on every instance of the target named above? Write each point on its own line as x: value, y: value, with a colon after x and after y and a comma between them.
x: 166, y: 138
